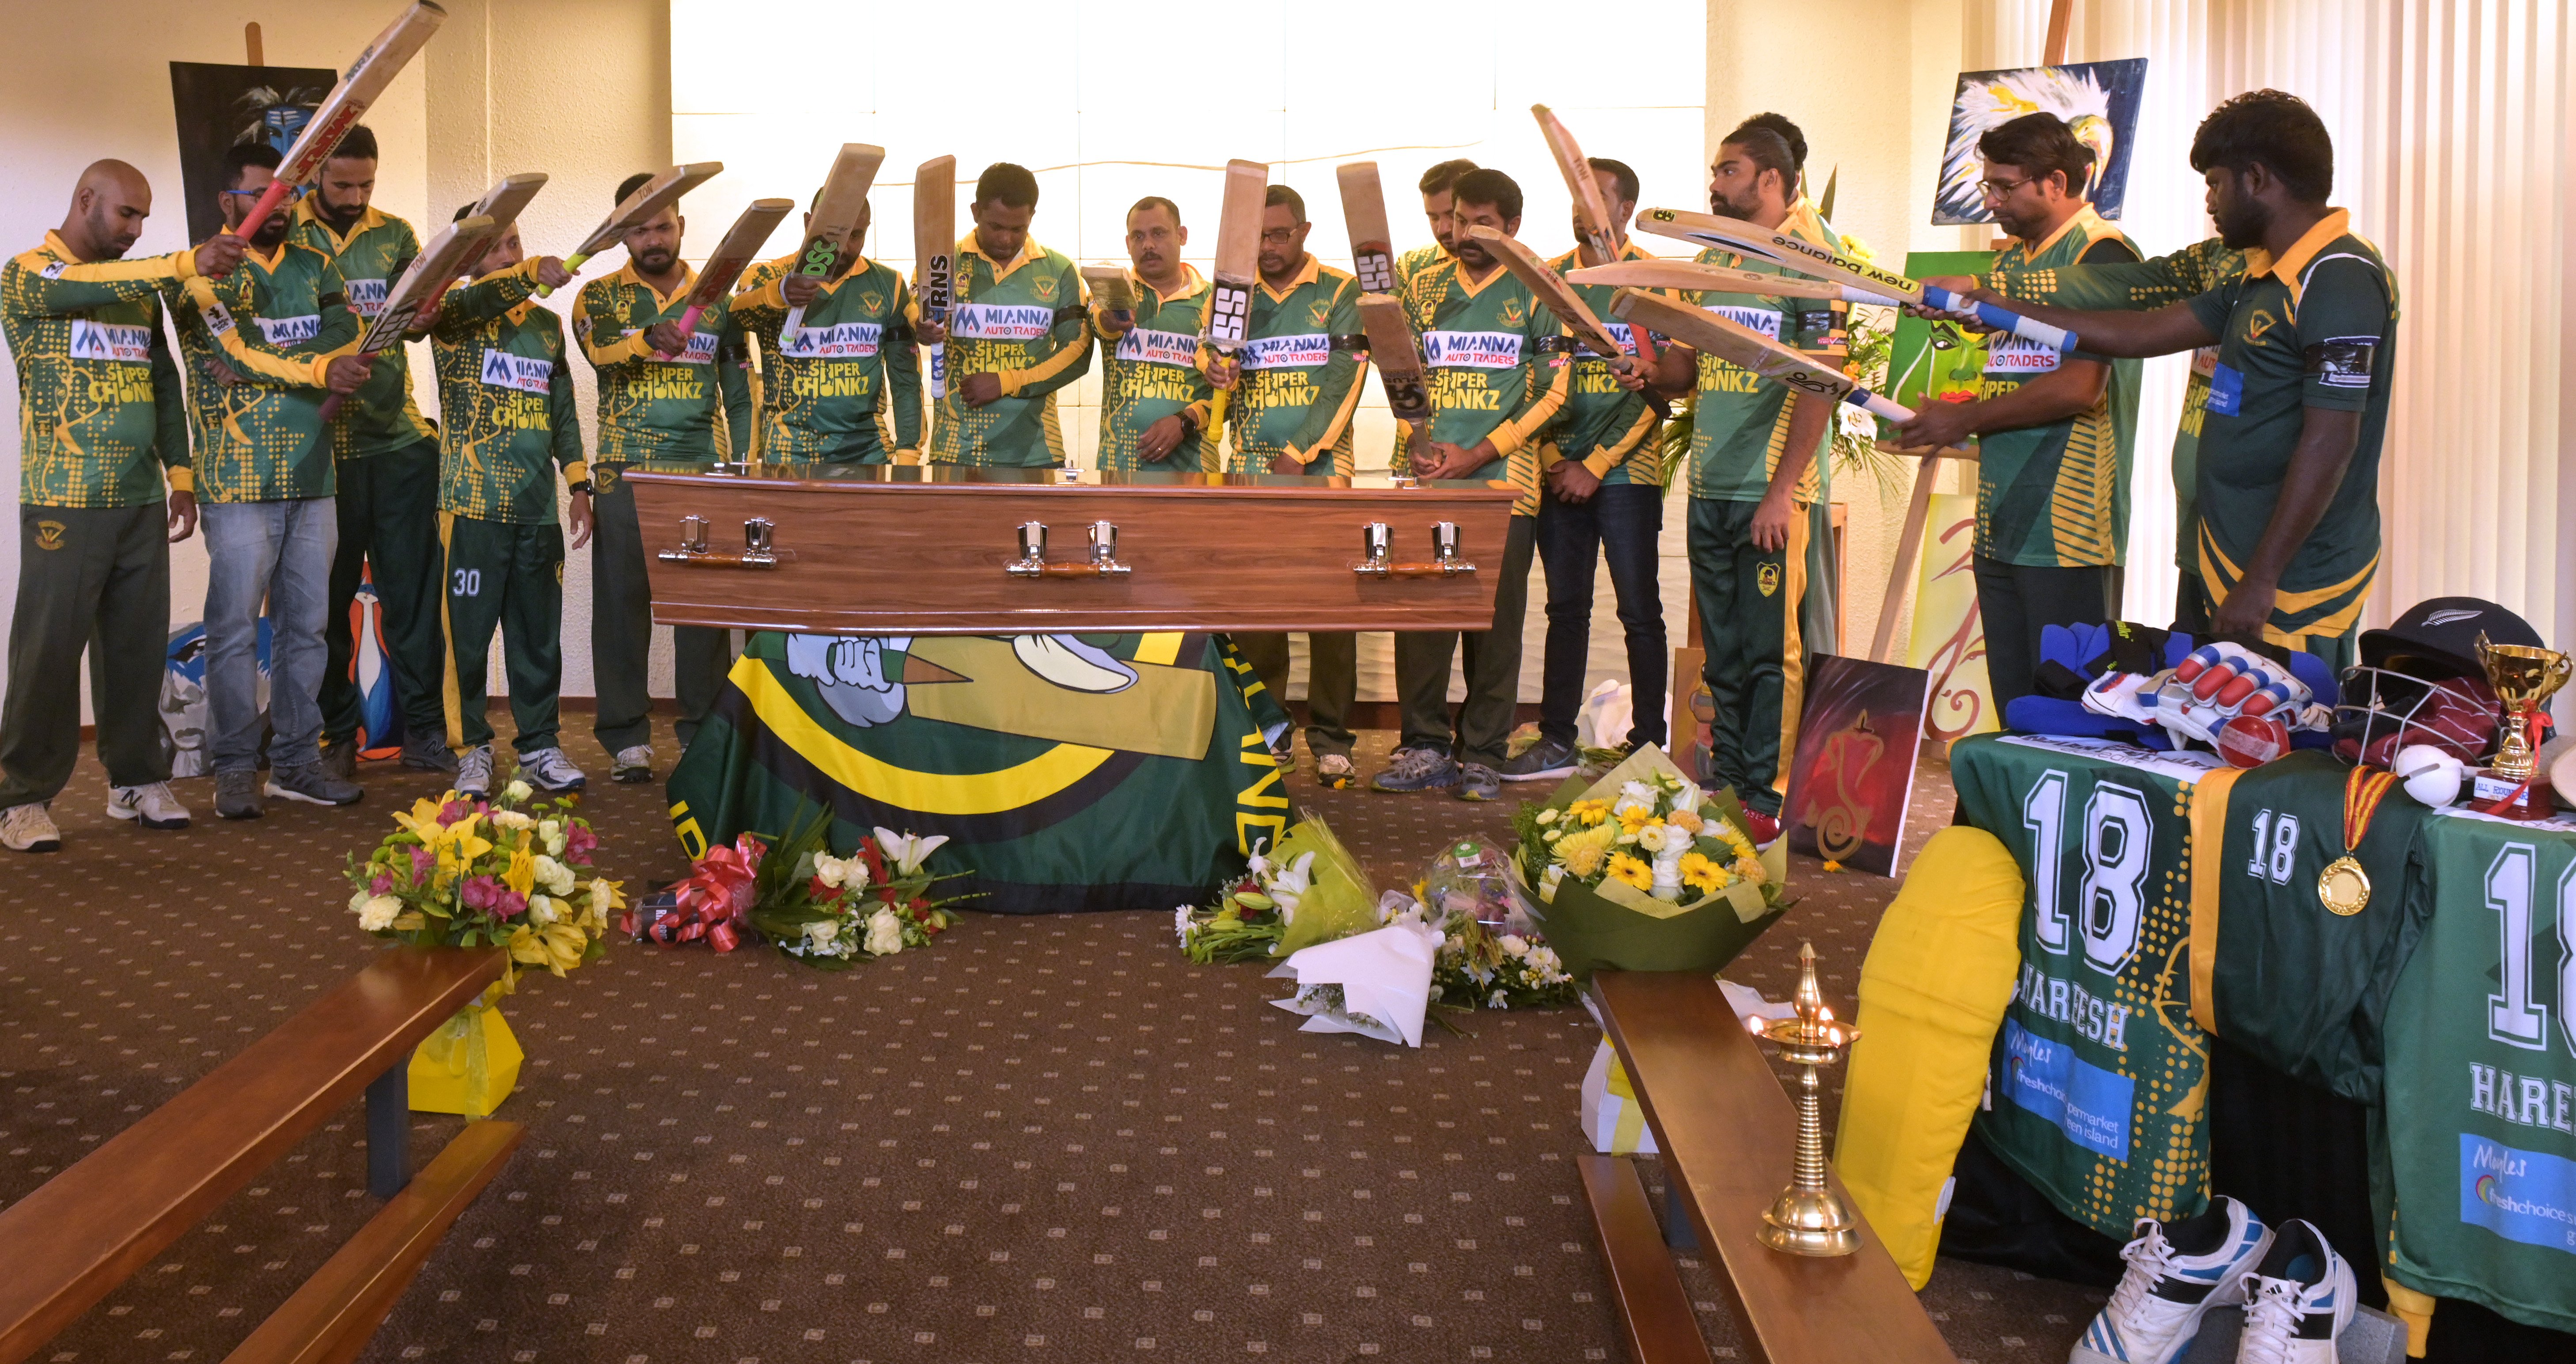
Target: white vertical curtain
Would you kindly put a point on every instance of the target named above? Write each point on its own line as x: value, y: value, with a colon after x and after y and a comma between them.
x: 2453, y: 137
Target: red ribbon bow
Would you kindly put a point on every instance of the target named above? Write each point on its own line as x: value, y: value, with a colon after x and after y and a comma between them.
x: 715, y: 901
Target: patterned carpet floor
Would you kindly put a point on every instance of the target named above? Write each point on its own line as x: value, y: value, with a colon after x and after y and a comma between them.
x: 1043, y: 1139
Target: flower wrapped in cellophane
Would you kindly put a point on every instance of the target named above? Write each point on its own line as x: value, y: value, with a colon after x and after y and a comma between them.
x: 1307, y: 889
x: 835, y: 912
x: 1642, y: 870
x: 459, y: 872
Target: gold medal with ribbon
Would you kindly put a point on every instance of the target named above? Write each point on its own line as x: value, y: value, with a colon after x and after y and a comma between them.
x: 2343, y: 886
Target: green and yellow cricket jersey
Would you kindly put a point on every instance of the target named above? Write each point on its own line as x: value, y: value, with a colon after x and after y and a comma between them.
x: 505, y: 392
x: 1496, y: 361
x: 100, y: 411
x: 381, y: 416
x: 2316, y: 328
x: 1301, y: 373
x: 827, y: 393
x: 1407, y: 265
x: 1152, y: 371
x: 2142, y: 286
x: 1740, y: 421
x: 258, y: 346
x: 1022, y: 320
x: 651, y: 408
x: 2057, y: 496
x: 1608, y: 428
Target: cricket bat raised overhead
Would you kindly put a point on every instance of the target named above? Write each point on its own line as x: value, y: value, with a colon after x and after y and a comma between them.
x: 740, y: 247
x: 636, y: 209
x: 1734, y: 234
x: 340, y: 110
x: 1237, y: 272
x: 1398, y: 357
x: 1110, y: 288
x: 507, y: 198
x: 1364, y: 213
x: 449, y: 254
x: 836, y: 211
x: 1553, y: 291
x: 1684, y: 274
x: 1711, y: 334
x: 934, y: 243
x: 1593, y: 229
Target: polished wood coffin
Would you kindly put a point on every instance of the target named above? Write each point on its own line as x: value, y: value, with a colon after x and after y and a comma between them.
x: 904, y: 550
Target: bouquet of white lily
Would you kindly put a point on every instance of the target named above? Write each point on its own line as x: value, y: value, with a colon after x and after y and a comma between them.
x: 1376, y: 984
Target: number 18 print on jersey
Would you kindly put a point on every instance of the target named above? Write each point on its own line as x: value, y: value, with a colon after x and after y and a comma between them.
x: 2098, y: 1090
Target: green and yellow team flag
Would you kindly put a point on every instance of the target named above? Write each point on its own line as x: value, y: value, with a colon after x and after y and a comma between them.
x: 1069, y: 772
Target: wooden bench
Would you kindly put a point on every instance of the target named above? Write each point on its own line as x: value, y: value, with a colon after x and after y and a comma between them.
x: 90, y: 1228
x: 1727, y: 1132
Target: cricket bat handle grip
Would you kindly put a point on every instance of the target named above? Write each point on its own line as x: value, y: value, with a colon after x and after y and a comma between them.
x: 1877, y: 406
x: 269, y: 199
x: 573, y: 262
x: 688, y: 323
x: 331, y: 405
x: 795, y: 323
x: 2002, y: 320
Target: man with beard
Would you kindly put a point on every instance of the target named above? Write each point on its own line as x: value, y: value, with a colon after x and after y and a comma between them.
x: 1153, y: 399
x: 1438, y: 186
x: 1757, y: 468
x: 265, y: 346
x: 2288, y: 473
x: 1298, y: 382
x: 386, y: 459
x: 1496, y: 358
x: 1018, y: 330
x: 847, y: 383
x: 101, y: 424
x: 2054, y: 432
x: 662, y: 396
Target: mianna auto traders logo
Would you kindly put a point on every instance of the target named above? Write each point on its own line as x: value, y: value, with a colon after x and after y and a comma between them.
x: 49, y: 534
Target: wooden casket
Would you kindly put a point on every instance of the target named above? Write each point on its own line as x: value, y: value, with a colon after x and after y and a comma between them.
x: 931, y: 550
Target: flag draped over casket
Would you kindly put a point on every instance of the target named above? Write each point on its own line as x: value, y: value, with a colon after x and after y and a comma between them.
x: 1069, y: 772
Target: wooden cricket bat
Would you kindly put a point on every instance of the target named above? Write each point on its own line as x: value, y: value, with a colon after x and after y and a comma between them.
x: 448, y: 255
x: 740, y: 247
x: 1734, y: 234
x: 1398, y: 357
x: 340, y: 110
x: 1683, y: 274
x: 1228, y: 320
x: 649, y: 198
x: 1711, y: 334
x: 836, y: 210
x: 934, y: 242
x: 1110, y: 288
x: 1364, y: 213
x: 503, y: 202
x: 1593, y: 229
x: 1552, y: 290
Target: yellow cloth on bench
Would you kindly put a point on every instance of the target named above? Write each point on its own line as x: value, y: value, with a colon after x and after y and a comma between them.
x: 469, y: 1065
x: 1932, y: 993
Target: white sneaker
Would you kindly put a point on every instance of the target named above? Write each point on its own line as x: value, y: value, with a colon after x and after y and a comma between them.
x: 550, y: 771
x: 2297, y: 1301
x: 27, y: 828
x: 2156, y: 1310
x: 474, y: 773
x: 153, y: 806
x: 632, y: 764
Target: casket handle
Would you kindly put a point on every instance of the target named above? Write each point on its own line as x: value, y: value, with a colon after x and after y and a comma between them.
x: 758, y: 549
x: 1032, y: 562
x: 1375, y: 540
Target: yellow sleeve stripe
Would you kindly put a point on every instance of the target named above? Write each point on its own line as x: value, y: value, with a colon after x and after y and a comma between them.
x: 1015, y: 380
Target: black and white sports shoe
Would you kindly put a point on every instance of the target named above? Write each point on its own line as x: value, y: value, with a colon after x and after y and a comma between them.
x: 2156, y: 1310
x: 2297, y: 1301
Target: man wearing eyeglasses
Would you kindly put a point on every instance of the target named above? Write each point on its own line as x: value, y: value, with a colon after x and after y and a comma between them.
x: 1153, y: 399
x: 2054, y: 432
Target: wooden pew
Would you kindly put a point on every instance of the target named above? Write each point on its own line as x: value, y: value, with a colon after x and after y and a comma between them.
x: 1727, y: 1132
x: 90, y: 1228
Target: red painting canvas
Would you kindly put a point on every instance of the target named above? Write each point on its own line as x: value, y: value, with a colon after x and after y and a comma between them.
x: 1858, y: 738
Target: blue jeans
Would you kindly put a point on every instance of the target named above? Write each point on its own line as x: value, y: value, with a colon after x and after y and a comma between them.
x: 1621, y: 522
x: 280, y: 553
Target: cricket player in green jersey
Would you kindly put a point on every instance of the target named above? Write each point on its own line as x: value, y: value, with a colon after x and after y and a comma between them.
x: 1757, y: 471
x: 387, y: 476
x: 2288, y: 472
x: 1604, y: 497
x: 1497, y: 362
x: 1017, y: 333
x: 101, y: 424
x: 846, y: 388
x: 1438, y: 187
x: 2053, y: 431
x: 1295, y: 388
x: 264, y: 347
x: 505, y: 394
x: 663, y: 397
x: 1153, y: 395
x: 2155, y: 283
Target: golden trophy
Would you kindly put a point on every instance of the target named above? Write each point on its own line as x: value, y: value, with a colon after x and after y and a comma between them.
x: 2523, y: 677
x: 1808, y: 1218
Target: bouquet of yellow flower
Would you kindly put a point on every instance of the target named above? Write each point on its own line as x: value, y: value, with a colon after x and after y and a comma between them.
x: 508, y: 873
x: 1644, y: 871
x: 1306, y: 889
